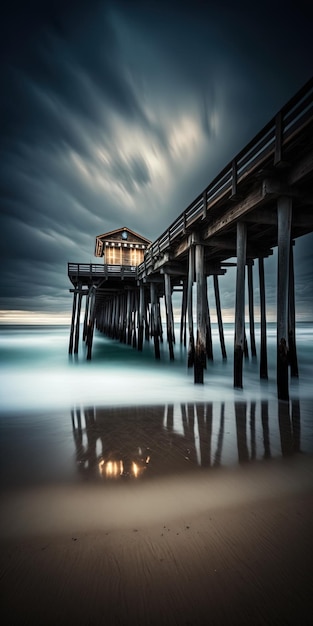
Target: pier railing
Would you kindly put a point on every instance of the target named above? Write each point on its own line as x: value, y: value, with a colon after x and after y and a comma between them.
x: 267, y: 146
x: 85, y: 270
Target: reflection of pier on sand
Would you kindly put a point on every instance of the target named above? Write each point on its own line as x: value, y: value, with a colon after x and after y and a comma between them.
x: 227, y: 543
x: 148, y: 441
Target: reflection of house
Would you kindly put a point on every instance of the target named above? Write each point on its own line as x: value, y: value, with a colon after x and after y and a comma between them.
x: 121, y: 247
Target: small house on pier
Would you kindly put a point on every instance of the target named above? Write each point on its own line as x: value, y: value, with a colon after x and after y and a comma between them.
x: 121, y: 247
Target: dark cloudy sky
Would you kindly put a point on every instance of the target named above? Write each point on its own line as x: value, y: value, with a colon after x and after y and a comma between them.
x: 117, y: 113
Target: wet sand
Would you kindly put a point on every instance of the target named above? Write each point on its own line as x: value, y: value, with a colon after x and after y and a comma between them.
x: 228, y: 547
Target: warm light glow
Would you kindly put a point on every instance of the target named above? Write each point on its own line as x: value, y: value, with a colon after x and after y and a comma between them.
x: 135, y: 469
x: 114, y: 469
x: 111, y: 469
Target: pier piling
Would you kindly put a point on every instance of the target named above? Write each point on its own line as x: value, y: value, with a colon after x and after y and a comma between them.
x: 77, y: 322
x: 293, y: 359
x: 219, y: 315
x: 251, y: 307
x: 169, y: 315
x: 154, y: 320
x: 240, y: 303
x: 191, y: 346
x: 183, y: 314
x: 70, y: 348
x: 202, y: 314
x: 284, y: 214
x: 263, y: 346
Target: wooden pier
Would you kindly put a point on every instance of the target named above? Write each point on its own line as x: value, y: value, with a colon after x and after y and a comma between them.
x: 261, y: 200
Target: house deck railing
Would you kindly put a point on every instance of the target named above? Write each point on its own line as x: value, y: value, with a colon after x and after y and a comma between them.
x: 92, y: 270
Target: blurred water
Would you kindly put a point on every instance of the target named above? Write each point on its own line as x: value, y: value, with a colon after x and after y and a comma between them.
x: 61, y: 417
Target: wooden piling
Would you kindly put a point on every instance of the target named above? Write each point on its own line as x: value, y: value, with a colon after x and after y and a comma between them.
x: 114, y: 318
x: 293, y: 359
x: 169, y: 315
x: 191, y: 270
x: 70, y: 348
x: 200, y: 349
x: 128, y: 320
x: 263, y: 346
x: 134, y: 317
x: 183, y: 314
x: 284, y: 214
x: 245, y: 346
x: 209, y: 342
x: 90, y: 327
x: 251, y: 307
x: 77, y: 322
x: 123, y: 321
x: 141, y: 317
x: 219, y: 315
x: 154, y: 320
x: 240, y: 304
x: 86, y: 317
x: 159, y: 320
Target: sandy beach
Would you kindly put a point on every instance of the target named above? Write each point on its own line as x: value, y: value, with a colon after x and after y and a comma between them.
x: 226, y: 547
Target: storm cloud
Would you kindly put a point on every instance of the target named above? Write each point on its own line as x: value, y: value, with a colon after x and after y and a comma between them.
x: 120, y: 113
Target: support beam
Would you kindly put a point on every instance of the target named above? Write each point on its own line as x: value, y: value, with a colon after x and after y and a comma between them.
x: 200, y: 351
x: 209, y: 342
x: 154, y: 320
x: 70, y: 348
x: 90, y: 328
x: 77, y: 323
x: 191, y: 271
x: 183, y: 315
x: 219, y: 315
x: 141, y: 316
x: 128, y: 318
x: 240, y: 304
x: 284, y: 215
x: 135, y: 298
x: 263, y: 347
x: 251, y: 307
x: 169, y: 315
x: 86, y: 316
x: 293, y: 359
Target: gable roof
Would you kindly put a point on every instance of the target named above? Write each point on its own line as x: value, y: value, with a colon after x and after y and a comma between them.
x: 111, y: 234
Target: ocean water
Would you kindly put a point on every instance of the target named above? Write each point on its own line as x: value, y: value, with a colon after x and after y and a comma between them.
x: 125, y: 415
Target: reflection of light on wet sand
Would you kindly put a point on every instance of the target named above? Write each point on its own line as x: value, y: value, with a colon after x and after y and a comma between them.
x: 86, y: 508
x: 111, y: 469
x: 114, y: 469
